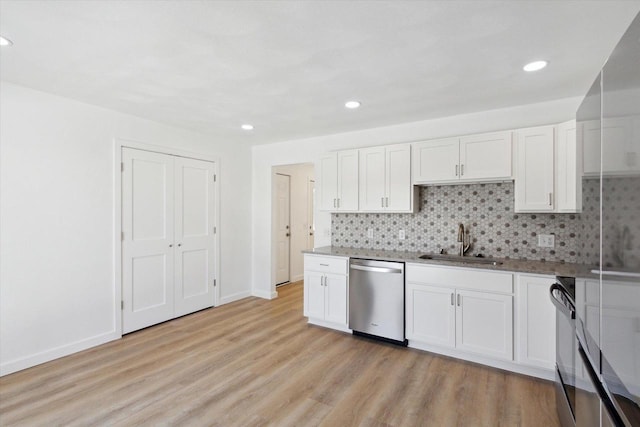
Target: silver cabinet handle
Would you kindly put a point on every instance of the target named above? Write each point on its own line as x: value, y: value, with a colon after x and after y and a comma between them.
x: 452, y: 303
x: 456, y: 170
x: 179, y: 244
x: 338, y: 202
x: 321, y: 280
x: 382, y: 202
x: 375, y: 269
x: 550, y: 199
x: 386, y: 201
x: 324, y: 265
x: 334, y: 203
x: 171, y: 245
x: 458, y: 297
x: 461, y: 170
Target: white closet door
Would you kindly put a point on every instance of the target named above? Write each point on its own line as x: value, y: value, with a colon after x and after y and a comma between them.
x: 194, y: 235
x: 147, y: 224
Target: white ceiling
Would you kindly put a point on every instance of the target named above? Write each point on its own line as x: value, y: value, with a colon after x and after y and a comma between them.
x: 288, y: 66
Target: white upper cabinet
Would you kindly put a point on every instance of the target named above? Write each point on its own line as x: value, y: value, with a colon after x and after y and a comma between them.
x: 338, y: 190
x: 385, y: 179
x: 436, y: 161
x: 347, y: 180
x: 548, y: 174
x: 372, y: 178
x: 328, y: 189
x: 485, y: 157
x: 617, y: 134
x: 568, y: 169
x: 534, y: 181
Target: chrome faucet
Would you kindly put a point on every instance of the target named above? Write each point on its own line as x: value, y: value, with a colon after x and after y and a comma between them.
x: 464, y: 240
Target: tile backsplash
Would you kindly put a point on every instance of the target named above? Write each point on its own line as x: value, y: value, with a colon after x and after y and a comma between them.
x: 487, y: 211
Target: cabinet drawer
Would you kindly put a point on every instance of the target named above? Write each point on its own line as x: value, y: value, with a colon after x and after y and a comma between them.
x: 326, y: 264
x: 460, y: 278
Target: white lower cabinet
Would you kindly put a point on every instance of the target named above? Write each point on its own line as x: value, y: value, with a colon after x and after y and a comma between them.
x: 536, y: 319
x: 325, y: 290
x: 441, y: 310
x: 484, y: 323
x: 431, y: 314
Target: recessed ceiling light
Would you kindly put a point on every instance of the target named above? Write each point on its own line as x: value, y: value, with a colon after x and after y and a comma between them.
x: 352, y: 104
x: 535, y: 66
x: 5, y: 42
x: 247, y: 126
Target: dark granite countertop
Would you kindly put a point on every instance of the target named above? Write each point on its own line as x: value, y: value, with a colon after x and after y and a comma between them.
x: 504, y: 264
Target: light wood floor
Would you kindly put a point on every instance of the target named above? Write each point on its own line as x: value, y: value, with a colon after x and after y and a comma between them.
x: 257, y: 362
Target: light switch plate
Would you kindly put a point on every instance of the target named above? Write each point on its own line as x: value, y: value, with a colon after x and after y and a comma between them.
x: 370, y: 233
x: 401, y: 235
x: 546, y: 240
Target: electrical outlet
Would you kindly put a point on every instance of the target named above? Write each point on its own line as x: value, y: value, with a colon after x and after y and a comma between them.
x: 370, y: 233
x: 401, y: 235
x: 546, y: 240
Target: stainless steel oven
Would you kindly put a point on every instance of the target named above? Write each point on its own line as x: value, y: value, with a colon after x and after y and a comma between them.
x: 563, y: 297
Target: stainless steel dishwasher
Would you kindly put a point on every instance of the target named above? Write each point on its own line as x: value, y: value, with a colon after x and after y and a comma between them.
x: 376, y: 299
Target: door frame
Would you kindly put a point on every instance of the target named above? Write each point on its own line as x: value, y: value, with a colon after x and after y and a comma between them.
x: 118, y: 145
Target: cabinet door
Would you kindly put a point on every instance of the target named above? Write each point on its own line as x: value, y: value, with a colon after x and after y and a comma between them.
x: 431, y: 314
x: 372, y: 179
x: 314, y: 294
x: 348, y: 180
x: 616, y: 145
x: 534, y: 175
x: 486, y: 156
x: 536, y: 322
x: 335, y: 298
x: 436, y: 161
x: 568, y: 176
x: 484, y: 323
x: 194, y: 238
x: 398, y: 178
x: 328, y: 189
x: 591, y: 134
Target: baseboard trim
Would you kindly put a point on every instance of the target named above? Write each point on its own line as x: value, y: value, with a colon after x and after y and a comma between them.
x: 265, y: 294
x: 297, y: 278
x: 234, y: 297
x: 332, y: 325
x: 483, y: 360
x: 56, y: 353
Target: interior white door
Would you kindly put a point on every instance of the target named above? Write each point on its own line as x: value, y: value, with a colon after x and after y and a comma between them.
x: 194, y: 235
x: 311, y: 196
x: 147, y: 242
x: 283, y: 231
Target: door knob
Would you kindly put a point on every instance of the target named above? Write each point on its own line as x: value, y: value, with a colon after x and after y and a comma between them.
x: 287, y: 234
x: 171, y: 245
x: 179, y: 244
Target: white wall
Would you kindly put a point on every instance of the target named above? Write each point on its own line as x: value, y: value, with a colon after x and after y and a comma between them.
x: 57, y: 216
x: 308, y: 150
x: 299, y: 221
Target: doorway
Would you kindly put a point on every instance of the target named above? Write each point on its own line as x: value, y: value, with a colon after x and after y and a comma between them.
x: 293, y: 226
x: 283, y: 233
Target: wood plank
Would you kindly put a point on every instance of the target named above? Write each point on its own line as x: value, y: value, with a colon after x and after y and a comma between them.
x: 257, y: 362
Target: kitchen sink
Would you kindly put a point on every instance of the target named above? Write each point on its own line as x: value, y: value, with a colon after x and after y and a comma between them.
x: 458, y: 258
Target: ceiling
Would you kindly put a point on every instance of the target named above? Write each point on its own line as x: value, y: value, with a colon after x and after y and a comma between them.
x: 287, y: 67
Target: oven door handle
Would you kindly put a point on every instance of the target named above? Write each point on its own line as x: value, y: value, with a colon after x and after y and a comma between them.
x: 569, y: 311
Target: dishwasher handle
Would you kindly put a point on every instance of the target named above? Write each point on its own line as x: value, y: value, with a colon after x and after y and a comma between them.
x: 376, y: 269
